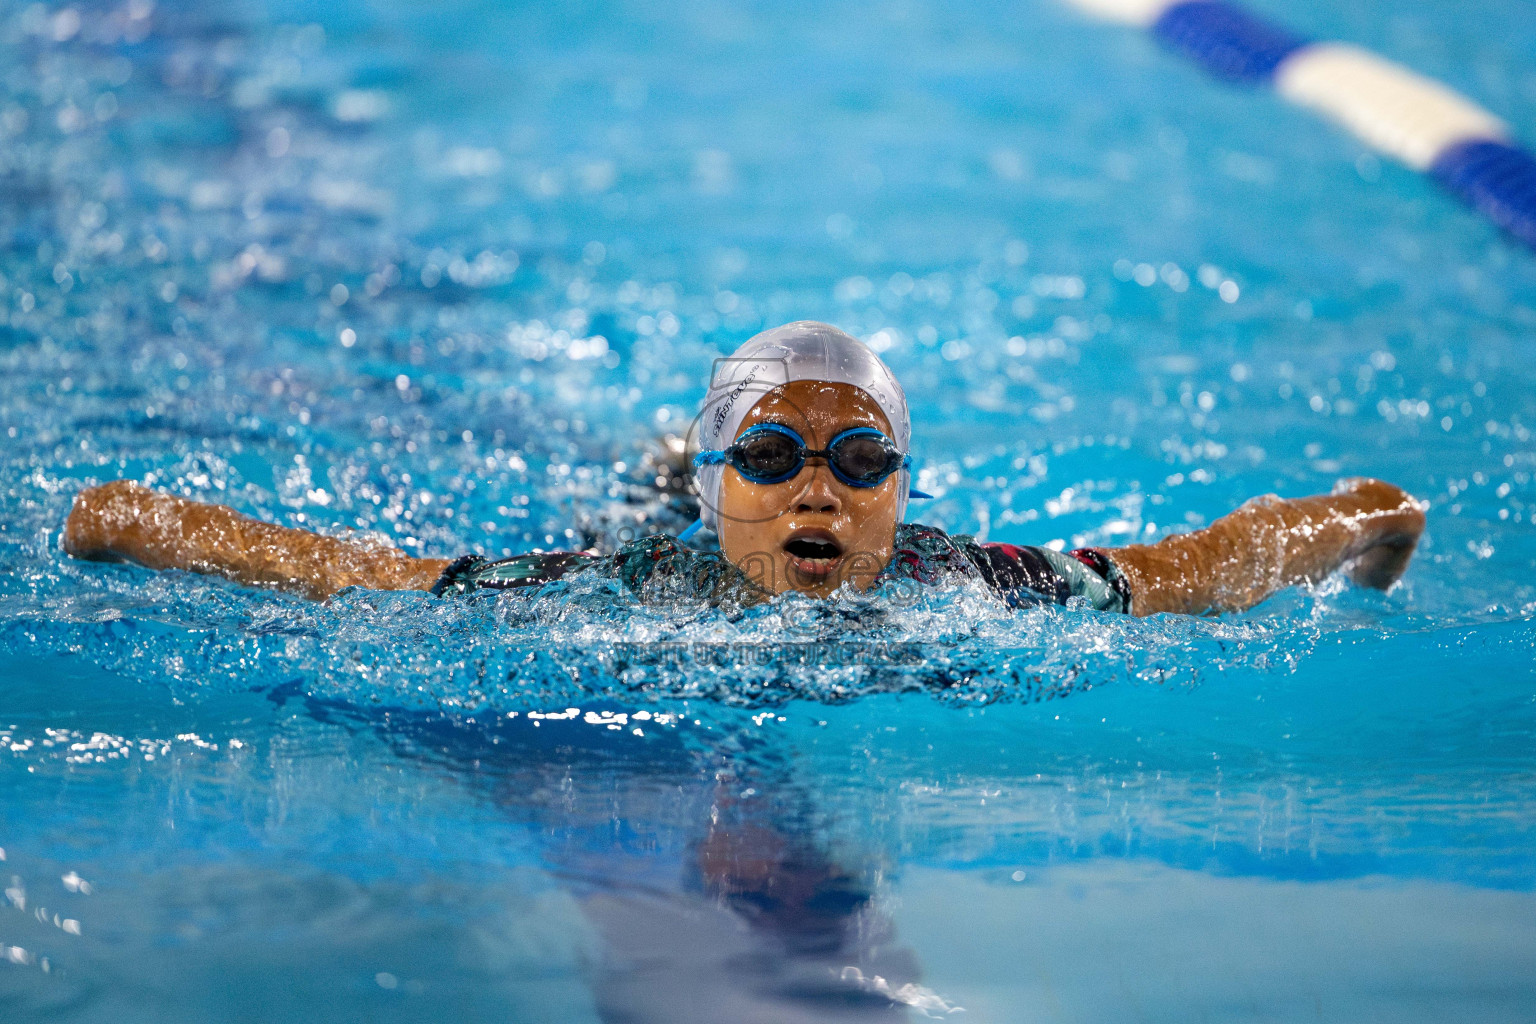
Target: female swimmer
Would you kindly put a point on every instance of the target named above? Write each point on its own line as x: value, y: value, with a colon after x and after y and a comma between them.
x: 803, y: 475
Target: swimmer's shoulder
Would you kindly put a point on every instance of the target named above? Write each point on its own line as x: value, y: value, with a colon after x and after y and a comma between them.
x: 663, y: 567
x: 638, y: 563
x: 930, y: 554
x: 1025, y: 574
x: 477, y: 572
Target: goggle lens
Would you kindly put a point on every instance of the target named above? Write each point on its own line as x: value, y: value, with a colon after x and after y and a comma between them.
x: 767, y: 456
x: 864, y: 459
x: 772, y: 456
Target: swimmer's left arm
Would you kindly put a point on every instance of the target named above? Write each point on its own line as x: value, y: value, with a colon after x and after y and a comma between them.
x: 1367, y: 527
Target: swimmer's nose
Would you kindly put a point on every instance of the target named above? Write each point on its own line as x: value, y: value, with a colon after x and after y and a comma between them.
x: 819, y: 493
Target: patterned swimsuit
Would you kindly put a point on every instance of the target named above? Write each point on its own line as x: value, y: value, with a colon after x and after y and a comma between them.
x: 659, y: 567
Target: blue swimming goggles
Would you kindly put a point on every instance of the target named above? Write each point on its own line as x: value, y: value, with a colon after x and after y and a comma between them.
x: 770, y: 453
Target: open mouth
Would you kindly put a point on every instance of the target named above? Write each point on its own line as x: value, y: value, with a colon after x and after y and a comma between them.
x: 813, y: 553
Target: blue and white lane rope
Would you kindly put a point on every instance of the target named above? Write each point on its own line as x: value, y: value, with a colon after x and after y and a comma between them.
x: 1420, y: 122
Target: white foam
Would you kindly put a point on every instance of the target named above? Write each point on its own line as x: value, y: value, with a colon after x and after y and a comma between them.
x: 1393, y: 109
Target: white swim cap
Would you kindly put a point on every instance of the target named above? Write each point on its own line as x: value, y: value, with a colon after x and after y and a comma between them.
x: 804, y: 350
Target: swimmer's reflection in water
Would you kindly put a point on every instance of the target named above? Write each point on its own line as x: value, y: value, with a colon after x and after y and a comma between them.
x: 804, y: 475
x: 700, y: 870
x: 771, y: 928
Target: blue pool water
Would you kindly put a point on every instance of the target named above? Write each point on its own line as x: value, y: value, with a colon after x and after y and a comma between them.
x: 440, y: 273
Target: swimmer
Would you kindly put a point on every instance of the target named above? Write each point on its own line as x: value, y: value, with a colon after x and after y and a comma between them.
x: 804, y: 474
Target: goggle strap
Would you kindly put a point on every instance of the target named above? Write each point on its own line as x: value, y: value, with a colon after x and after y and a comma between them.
x: 913, y: 492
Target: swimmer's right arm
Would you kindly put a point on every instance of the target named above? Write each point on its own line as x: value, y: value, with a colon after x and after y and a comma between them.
x: 125, y: 521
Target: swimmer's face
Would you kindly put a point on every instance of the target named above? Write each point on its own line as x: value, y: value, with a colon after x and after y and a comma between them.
x: 812, y: 532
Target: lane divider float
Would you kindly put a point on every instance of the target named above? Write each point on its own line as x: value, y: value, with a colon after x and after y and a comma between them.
x: 1418, y: 121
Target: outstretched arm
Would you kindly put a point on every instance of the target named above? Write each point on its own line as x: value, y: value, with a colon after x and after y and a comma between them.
x: 125, y: 521
x: 1365, y: 526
